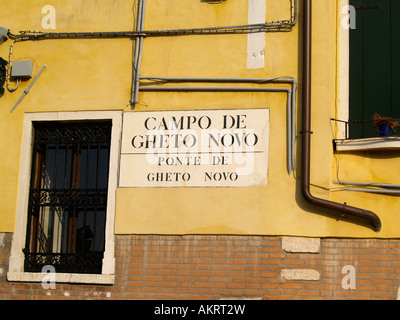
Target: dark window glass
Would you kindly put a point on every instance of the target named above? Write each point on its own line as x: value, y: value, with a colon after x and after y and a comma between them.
x: 68, y: 197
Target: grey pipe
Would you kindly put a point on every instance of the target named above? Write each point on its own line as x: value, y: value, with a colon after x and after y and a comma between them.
x: 378, y: 191
x: 289, y: 133
x: 293, y: 142
x: 139, y: 61
x: 138, y: 52
x: 373, y: 184
x: 222, y: 80
x: 291, y: 112
x: 214, y: 89
x: 135, y: 50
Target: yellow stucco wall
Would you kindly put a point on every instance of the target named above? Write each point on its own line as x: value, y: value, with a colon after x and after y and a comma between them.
x: 95, y: 74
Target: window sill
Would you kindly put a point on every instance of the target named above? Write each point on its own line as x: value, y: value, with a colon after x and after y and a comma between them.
x: 378, y: 143
x: 61, y: 277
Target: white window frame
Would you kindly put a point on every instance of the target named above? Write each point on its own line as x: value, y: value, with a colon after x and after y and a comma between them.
x: 343, y: 72
x: 16, y: 262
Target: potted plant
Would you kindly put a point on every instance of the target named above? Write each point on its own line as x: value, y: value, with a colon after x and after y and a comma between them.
x: 385, y: 124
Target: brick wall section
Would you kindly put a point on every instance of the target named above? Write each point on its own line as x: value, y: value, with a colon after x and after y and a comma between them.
x: 214, y: 267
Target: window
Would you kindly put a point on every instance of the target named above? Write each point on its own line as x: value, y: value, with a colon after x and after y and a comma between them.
x: 66, y: 197
x: 374, y: 65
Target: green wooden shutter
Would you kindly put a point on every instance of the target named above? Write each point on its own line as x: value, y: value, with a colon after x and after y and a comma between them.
x: 374, y: 52
x: 395, y: 19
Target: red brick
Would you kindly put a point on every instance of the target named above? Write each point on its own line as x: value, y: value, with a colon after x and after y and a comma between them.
x: 208, y: 267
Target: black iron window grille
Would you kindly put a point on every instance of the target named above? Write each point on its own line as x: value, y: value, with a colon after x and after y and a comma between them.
x: 68, y: 197
x: 366, y: 129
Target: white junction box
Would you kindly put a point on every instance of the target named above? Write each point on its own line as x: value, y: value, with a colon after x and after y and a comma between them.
x: 22, y: 69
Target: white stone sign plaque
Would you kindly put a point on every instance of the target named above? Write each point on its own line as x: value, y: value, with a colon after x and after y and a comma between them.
x: 202, y: 148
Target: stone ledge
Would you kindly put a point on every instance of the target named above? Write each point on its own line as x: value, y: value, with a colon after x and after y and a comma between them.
x: 301, y: 245
x: 106, y: 279
x: 2, y: 240
x: 300, y: 274
x: 382, y: 143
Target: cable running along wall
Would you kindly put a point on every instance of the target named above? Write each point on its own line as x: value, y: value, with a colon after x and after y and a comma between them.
x: 272, y: 26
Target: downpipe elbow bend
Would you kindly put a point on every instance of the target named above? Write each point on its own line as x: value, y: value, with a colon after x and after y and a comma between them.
x: 343, y: 209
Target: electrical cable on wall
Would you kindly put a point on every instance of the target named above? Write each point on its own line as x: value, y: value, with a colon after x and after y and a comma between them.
x: 8, y: 76
x: 272, y: 26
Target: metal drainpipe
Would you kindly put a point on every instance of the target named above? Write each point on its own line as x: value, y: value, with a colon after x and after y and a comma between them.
x: 341, y: 209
